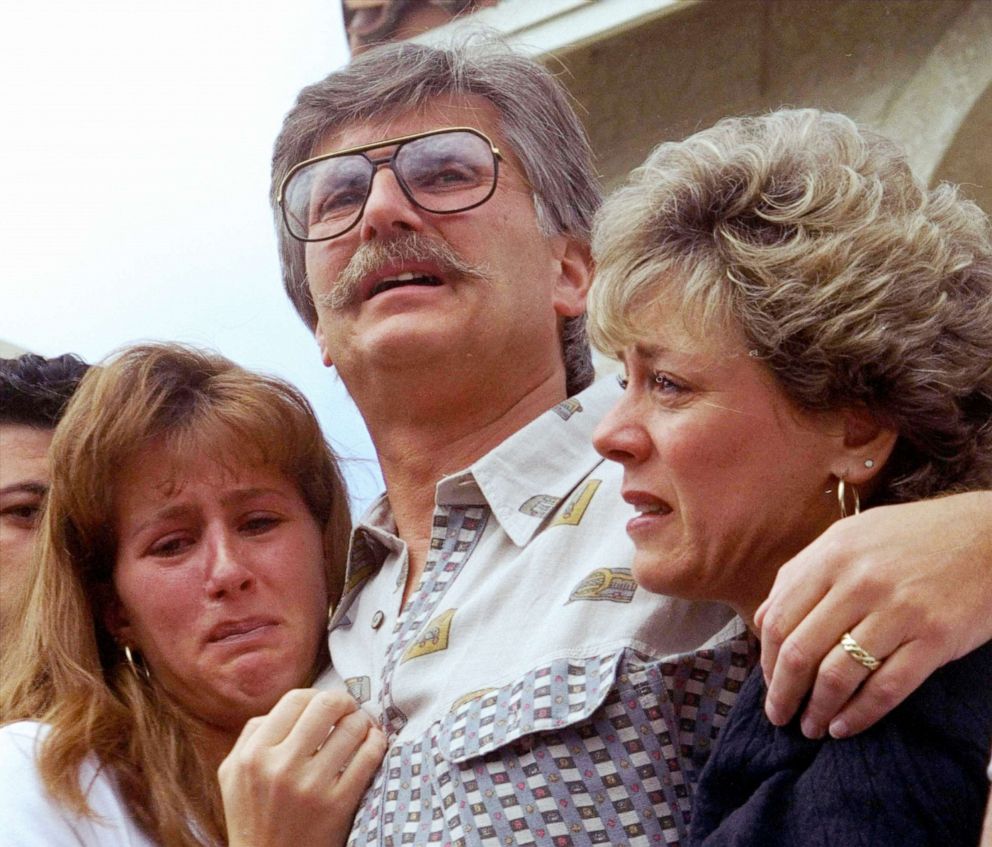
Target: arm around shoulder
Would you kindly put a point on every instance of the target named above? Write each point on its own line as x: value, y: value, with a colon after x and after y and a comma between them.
x: 911, y: 582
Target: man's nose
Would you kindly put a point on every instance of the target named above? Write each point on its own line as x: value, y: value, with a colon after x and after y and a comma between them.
x: 388, y: 210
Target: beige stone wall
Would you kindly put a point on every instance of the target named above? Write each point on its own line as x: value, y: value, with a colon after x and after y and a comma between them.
x: 918, y: 70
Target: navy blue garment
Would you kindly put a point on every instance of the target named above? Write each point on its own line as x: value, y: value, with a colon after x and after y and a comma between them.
x: 916, y: 778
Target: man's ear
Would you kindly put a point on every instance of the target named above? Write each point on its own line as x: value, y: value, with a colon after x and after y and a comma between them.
x: 318, y: 333
x: 573, y: 283
x: 867, y: 445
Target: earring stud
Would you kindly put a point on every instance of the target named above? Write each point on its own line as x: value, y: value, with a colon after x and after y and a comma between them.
x: 869, y: 463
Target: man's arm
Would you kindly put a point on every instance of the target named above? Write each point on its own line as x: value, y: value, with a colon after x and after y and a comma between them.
x: 912, y: 583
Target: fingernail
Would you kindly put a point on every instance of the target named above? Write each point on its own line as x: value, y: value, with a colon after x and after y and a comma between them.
x: 773, y: 714
x: 839, y: 729
x: 811, y: 729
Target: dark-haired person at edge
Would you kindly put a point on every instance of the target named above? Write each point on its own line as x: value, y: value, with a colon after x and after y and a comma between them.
x: 433, y: 208
x: 193, y: 539
x: 806, y: 333
x: 33, y: 394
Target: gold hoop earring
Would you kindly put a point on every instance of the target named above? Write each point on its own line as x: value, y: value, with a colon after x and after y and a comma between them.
x: 138, y: 668
x: 842, y: 498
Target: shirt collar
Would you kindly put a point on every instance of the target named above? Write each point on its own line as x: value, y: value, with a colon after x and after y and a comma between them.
x: 523, y: 479
x: 527, y: 477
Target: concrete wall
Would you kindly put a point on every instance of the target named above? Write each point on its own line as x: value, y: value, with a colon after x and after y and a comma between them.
x: 645, y: 71
x: 917, y: 70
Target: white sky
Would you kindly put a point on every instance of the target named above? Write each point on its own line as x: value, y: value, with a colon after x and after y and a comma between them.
x: 135, y: 153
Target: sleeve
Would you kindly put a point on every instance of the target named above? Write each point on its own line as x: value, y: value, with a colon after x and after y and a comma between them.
x: 915, y: 778
x: 31, y: 818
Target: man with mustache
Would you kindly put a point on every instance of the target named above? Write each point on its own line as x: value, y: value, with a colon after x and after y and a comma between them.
x: 434, y: 209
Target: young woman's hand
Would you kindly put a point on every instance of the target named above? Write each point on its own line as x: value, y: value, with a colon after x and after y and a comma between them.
x: 295, y: 777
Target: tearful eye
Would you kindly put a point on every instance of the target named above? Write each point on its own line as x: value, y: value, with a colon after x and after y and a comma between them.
x: 664, y: 383
x: 171, y: 545
x: 24, y: 515
x: 258, y: 524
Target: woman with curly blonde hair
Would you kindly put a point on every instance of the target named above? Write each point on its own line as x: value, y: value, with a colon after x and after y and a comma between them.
x: 193, y: 539
x: 806, y: 331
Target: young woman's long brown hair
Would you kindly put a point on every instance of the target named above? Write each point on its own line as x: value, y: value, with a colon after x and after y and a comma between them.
x: 64, y: 667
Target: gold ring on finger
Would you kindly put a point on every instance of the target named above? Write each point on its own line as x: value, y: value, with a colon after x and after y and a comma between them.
x: 858, y: 653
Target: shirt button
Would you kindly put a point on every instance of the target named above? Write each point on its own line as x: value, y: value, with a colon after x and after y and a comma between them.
x: 377, y: 619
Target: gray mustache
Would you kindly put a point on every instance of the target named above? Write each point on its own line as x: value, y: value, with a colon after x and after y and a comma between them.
x: 373, y: 256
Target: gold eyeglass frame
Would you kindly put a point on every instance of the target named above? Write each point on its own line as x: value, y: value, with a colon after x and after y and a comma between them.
x: 379, y: 162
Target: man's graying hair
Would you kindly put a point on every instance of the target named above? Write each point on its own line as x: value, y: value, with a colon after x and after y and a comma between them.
x: 536, y: 121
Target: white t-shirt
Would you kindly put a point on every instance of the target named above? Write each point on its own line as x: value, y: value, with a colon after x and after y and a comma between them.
x: 29, y: 817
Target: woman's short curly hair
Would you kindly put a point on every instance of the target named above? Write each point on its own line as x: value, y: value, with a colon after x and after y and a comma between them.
x: 850, y: 280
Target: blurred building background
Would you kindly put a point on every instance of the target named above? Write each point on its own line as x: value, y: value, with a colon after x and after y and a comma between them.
x: 644, y: 71
x: 171, y: 135
x: 10, y: 351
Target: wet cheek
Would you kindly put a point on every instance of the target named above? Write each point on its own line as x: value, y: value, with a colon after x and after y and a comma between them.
x: 151, y: 615
x: 14, y: 540
x: 700, y: 468
x: 686, y: 450
x: 157, y: 606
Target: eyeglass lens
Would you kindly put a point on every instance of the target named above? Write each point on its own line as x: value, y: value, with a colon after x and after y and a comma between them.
x: 445, y: 172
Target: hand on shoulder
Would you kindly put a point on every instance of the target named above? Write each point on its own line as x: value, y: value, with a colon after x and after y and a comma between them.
x: 911, y: 583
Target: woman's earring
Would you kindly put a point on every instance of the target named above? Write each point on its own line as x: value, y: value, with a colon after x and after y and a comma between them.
x: 869, y: 463
x: 138, y: 668
x: 842, y: 498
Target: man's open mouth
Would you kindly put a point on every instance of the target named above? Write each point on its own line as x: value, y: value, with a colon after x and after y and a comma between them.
x: 408, y: 278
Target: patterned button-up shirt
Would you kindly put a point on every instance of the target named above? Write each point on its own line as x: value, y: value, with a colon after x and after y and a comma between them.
x: 531, y: 692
